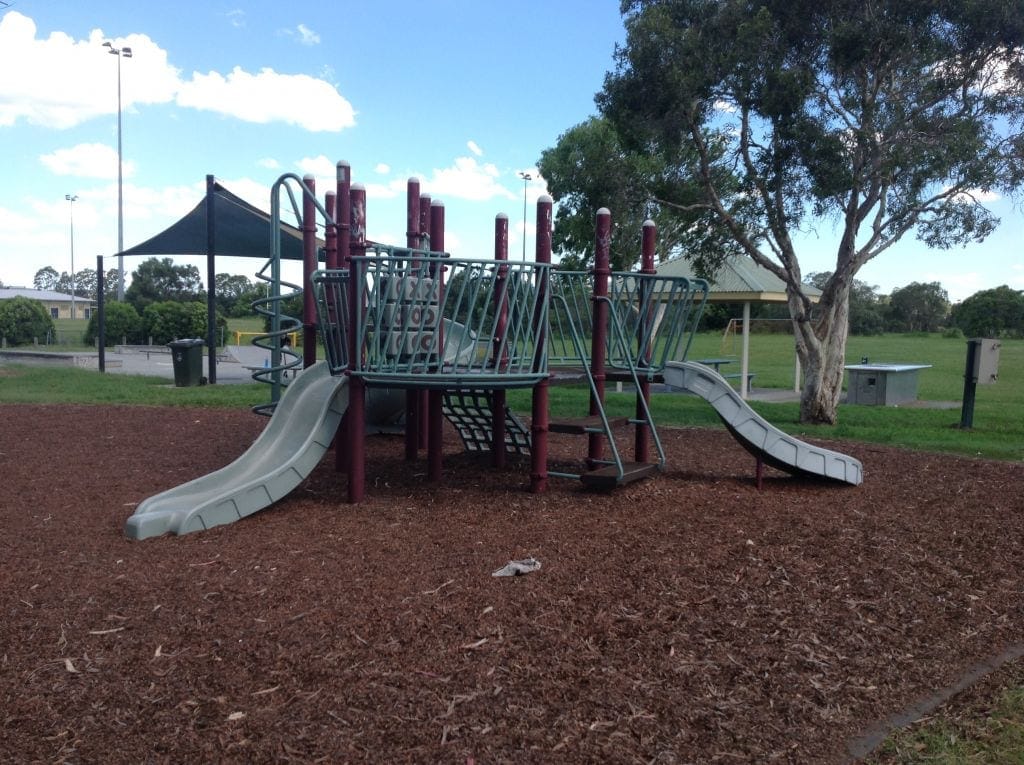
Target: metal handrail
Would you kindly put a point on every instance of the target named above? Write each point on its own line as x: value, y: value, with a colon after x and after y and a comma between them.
x: 659, y: 332
x: 431, y: 321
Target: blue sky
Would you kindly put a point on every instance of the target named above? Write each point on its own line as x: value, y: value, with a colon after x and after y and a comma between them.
x: 463, y: 94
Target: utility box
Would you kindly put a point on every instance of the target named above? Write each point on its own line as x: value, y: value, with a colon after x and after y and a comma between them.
x: 882, y: 384
x: 985, y: 367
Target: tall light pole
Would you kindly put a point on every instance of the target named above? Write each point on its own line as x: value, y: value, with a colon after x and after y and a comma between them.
x: 72, y: 198
x: 125, y: 52
x: 526, y: 180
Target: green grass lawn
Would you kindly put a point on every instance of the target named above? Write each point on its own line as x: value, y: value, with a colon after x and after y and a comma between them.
x: 998, y: 431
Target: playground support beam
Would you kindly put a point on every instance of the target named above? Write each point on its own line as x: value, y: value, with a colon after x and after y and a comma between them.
x: 309, y: 265
x: 343, y: 188
x: 435, y: 398
x: 539, y: 424
x: 331, y: 230
x: 426, y: 243
x: 499, y: 364
x: 599, y: 339
x: 413, y: 231
x: 357, y: 388
x: 641, y: 445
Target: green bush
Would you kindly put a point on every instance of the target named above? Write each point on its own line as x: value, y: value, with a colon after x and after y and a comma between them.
x: 997, y: 312
x: 22, y: 321
x: 122, y: 323
x: 171, y: 320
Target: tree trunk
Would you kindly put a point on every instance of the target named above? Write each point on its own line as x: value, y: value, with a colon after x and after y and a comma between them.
x: 821, y: 348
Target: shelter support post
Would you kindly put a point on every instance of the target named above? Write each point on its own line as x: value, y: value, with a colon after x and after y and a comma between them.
x: 745, y: 358
x: 211, y: 282
x: 101, y: 318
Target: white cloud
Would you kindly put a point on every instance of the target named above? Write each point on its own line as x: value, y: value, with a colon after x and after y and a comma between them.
x: 382, y: 168
x: 305, y: 35
x: 976, y: 195
x: 390, y: 190
x: 467, y: 179
x: 319, y: 166
x: 236, y: 18
x: 64, y: 82
x: 475, y: 149
x: 269, y: 97
x: 270, y: 163
x: 87, y: 160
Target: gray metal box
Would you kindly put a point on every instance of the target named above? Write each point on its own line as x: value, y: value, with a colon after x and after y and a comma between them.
x: 882, y: 384
x: 986, y: 360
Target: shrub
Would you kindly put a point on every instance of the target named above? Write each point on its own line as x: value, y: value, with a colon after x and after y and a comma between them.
x: 122, y: 323
x: 171, y: 320
x: 992, y: 313
x: 23, y: 320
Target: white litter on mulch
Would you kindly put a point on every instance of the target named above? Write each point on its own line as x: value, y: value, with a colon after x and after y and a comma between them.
x: 518, y: 567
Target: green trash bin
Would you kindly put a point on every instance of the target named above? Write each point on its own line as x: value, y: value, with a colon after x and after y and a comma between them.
x: 187, y: 356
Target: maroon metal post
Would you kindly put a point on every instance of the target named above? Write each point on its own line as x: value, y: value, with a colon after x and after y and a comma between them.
x: 421, y: 400
x: 357, y: 389
x: 344, y: 216
x: 309, y: 264
x: 435, y: 416
x: 412, y: 395
x: 331, y: 230
x: 539, y: 424
x: 642, y: 446
x: 599, y: 338
x: 343, y: 184
x: 499, y: 354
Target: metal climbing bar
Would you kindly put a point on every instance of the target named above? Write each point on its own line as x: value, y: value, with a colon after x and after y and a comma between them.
x: 659, y: 314
x: 426, y: 320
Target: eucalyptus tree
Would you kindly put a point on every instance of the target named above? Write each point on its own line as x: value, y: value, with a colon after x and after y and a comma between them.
x: 878, y: 118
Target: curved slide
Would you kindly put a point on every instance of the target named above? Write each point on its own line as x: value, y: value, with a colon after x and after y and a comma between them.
x: 757, y: 435
x: 291, y: 445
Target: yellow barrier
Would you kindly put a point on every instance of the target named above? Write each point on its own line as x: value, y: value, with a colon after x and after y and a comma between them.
x: 292, y: 336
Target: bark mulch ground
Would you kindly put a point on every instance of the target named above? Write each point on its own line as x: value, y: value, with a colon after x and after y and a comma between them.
x: 685, y: 618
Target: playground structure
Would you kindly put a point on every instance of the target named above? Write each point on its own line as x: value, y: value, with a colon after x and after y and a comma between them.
x: 452, y: 336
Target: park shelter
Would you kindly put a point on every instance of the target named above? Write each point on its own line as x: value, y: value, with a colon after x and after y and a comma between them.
x: 220, y: 224
x: 741, y: 280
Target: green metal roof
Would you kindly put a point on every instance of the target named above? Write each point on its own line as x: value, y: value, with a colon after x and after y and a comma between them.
x: 739, y: 280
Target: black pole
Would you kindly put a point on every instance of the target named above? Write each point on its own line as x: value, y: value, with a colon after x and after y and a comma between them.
x: 101, y: 319
x: 211, y: 288
x: 970, y: 386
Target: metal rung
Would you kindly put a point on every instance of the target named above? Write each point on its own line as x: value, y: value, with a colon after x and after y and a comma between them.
x: 609, y: 477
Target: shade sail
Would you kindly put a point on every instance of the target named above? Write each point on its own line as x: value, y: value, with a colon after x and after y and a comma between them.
x: 240, y: 230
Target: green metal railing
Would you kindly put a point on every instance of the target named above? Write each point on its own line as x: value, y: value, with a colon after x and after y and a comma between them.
x: 661, y: 332
x: 430, y: 321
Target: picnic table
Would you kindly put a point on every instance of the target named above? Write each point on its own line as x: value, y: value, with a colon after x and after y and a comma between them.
x: 715, y: 363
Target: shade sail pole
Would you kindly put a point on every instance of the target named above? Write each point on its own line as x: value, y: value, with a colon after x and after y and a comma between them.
x: 211, y: 279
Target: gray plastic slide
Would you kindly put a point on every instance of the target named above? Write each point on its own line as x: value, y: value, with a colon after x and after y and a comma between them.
x: 757, y: 436
x: 291, y: 445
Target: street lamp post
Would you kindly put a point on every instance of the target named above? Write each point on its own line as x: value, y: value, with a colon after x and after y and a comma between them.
x: 124, y: 52
x: 526, y: 180
x: 72, y: 198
